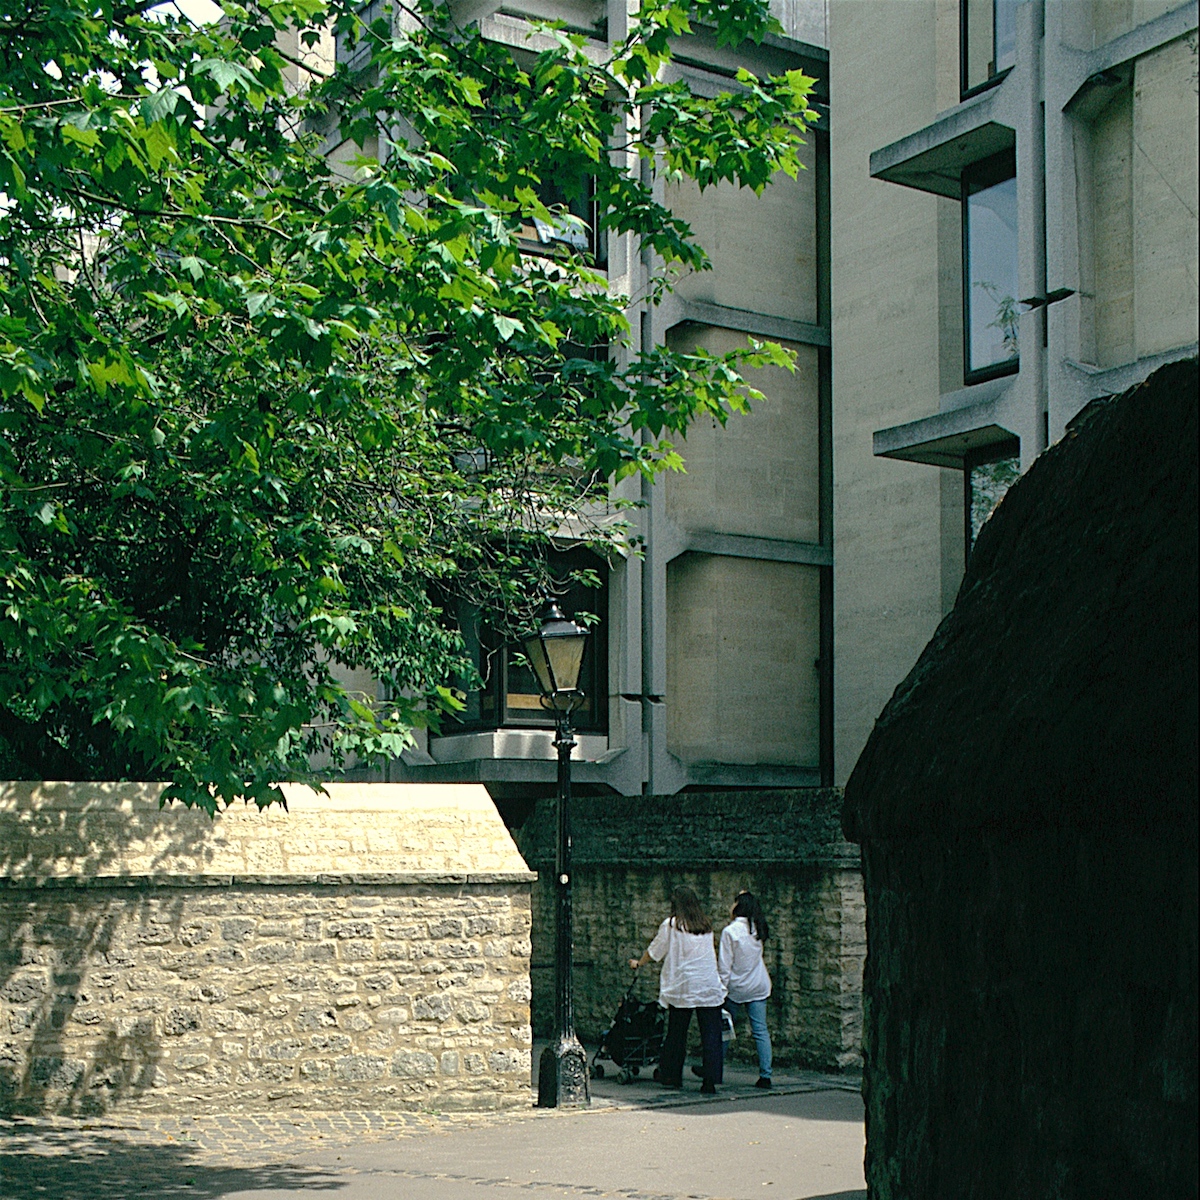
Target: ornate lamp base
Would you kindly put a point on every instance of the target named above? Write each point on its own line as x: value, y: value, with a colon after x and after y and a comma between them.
x: 563, y: 1075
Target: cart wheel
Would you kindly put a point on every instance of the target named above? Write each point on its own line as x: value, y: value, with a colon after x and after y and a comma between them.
x: 597, y: 1071
x: 624, y: 1076
x: 635, y: 1071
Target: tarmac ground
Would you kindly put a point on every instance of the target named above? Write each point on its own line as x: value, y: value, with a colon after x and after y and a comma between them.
x: 803, y: 1140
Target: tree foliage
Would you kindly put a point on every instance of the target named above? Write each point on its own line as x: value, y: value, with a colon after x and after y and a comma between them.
x: 265, y: 414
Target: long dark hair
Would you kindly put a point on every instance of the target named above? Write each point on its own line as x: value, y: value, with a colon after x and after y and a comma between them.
x: 747, y: 905
x: 688, y: 912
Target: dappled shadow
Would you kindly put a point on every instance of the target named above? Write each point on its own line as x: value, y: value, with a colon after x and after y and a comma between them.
x: 64, y: 942
x: 75, y: 831
x: 71, y: 1165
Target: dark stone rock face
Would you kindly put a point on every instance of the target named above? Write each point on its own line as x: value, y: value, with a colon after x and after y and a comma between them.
x: 1027, y: 811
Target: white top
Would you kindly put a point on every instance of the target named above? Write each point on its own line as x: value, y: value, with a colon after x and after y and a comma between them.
x: 743, y: 973
x: 689, y: 974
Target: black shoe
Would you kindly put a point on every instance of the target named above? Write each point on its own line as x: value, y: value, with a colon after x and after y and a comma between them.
x: 762, y: 1082
x: 698, y: 1072
x: 707, y: 1088
x: 673, y: 1085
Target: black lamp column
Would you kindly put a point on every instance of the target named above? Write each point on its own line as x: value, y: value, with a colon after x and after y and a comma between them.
x: 556, y: 653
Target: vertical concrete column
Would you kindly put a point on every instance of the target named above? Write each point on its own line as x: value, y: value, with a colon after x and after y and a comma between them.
x: 1062, y: 217
x: 626, y: 276
x: 1031, y: 224
x: 664, y: 774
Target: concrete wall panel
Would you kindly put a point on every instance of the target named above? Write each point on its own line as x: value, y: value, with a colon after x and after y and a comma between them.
x: 756, y: 476
x: 1165, y: 186
x: 896, y: 66
x: 763, y: 248
x: 742, y: 644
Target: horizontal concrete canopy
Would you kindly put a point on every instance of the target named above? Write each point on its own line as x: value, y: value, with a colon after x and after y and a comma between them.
x: 934, y: 158
x: 945, y: 439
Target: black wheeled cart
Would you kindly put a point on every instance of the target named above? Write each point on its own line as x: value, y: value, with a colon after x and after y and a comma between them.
x: 634, y: 1039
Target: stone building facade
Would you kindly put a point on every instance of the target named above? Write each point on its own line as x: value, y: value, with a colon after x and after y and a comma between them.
x: 367, y: 949
x: 1014, y: 233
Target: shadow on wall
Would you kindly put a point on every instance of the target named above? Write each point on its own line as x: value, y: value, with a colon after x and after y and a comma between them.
x: 53, y: 962
x: 53, y: 958
x: 784, y: 845
x: 65, y: 1166
x: 37, y: 843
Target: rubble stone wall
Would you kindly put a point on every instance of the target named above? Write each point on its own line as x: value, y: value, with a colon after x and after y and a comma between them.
x: 784, y: 845
x: 213, y: 993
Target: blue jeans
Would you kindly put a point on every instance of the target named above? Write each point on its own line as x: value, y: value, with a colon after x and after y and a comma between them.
x: 756, y: 1010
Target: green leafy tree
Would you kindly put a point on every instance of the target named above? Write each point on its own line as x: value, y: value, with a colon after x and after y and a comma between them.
x: 265, y: 419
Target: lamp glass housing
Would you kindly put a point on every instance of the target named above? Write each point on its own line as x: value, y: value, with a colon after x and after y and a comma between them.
x: 555, y: 653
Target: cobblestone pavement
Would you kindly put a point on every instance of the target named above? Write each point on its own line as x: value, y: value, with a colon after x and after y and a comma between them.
x: 604, y: 1151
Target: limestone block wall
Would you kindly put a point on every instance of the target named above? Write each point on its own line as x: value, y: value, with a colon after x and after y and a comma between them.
x: 201, y: 988
x: 784, y: 845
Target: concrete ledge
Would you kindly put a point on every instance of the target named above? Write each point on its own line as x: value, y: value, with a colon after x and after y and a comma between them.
x: 757, y: 324
x: 945, y: 439
x: 933, y: 158
x: 733, y: 545
x: 1083, y: 65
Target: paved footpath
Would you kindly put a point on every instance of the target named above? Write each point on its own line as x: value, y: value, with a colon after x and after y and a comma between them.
x: 802, y: 1141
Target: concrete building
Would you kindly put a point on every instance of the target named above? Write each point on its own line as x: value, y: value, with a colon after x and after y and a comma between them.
x: 711, y: 663
x: 710, y: 670
x: 1013, y: 234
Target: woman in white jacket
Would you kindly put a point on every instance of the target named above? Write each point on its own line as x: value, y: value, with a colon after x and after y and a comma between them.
x: 744, y: 975
x: 689, y: 983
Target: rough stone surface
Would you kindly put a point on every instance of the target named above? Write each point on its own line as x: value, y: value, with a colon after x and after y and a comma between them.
x: 137, y: 974
x: 786, y: 846
x: 1027, y: 809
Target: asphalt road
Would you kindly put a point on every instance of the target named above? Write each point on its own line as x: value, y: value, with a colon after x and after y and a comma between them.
x: 803, y: 1142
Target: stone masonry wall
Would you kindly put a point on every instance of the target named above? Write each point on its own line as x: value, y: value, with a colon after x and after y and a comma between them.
x: 253, y: 998
x: 403, y: 985
x: 785, y: 846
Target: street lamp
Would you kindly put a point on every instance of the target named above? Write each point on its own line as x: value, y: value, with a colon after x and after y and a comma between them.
x: 555, y: 653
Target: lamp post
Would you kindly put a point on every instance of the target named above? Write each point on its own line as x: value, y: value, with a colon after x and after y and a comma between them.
x: 555, y: 653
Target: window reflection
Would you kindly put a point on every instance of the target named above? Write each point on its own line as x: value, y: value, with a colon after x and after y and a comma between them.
x: 510, y: 695
x: 989, y: 475
x: 1005, y: 26
x: 990, y: 268
x: 989, y: 41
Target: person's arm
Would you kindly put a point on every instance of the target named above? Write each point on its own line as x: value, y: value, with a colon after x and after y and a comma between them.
x: 725, y: 957
x: 657, y: 949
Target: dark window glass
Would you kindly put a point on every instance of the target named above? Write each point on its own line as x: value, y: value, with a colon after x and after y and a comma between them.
x: 583, y: 233
x: 990, y: 315
x: 510, y: 695
x: 989, y: 41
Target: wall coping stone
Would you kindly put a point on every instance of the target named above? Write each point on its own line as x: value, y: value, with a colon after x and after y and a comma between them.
x: 95, y: 835
x: 710, y: 830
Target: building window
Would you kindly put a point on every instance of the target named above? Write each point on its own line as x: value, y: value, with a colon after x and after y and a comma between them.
x: 988, y: 29
x: 510, y: 697
x: 583, y: 233
x: 356, y: 53
x: 987, y: 476
x: 990, y: 310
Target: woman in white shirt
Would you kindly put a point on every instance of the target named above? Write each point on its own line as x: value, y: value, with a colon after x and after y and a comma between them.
x: 744, y: 975
x: 689, y: 983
